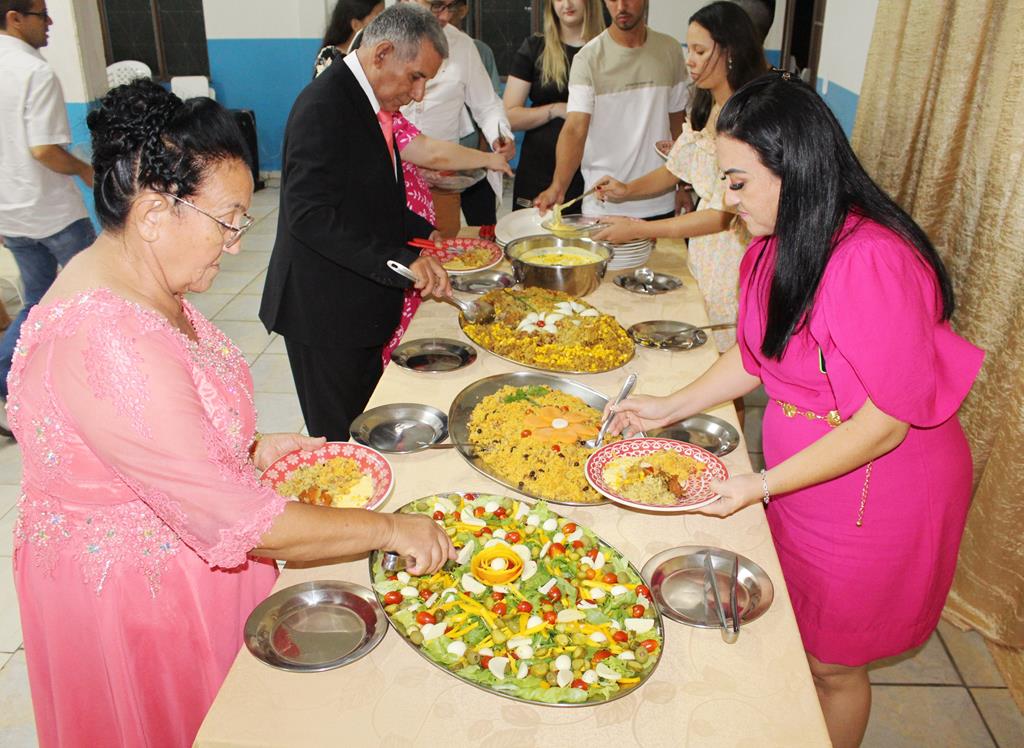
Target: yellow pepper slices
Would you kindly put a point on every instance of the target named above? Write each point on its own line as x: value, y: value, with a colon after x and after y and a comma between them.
x: 462, y: 632
x: 485, y: 642
x: 605, y: 585
x: 477, y: 608
x: 628, y: 680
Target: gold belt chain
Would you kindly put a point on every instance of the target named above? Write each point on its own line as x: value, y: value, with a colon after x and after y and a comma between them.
x: 833, y: 419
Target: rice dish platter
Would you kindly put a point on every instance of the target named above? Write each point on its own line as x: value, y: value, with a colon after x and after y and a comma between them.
x: 658, y: 479
x: 337, y: 482
x: 533, y: 438
x: 551, y: 330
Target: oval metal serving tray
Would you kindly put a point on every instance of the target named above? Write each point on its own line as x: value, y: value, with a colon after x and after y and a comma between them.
x: 658, y: 621
x: 463, y: 404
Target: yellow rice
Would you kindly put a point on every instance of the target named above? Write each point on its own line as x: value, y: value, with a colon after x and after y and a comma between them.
x: 340, y: 477
x: 645, y: 478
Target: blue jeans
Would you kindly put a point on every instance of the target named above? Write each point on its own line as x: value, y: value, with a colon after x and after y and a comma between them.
x: 37, y: 261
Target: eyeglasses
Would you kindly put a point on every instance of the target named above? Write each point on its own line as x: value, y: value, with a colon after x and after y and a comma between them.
x: 44, y: 14
x: 236, y: 232
x: 437, y: 8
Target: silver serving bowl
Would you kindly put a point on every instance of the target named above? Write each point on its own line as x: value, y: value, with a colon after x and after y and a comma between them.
x: 575, y: 280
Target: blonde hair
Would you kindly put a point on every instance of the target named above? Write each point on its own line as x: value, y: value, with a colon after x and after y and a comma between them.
x: 554, y: 65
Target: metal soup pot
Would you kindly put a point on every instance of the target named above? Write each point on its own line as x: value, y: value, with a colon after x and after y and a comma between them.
x: 575, y: 280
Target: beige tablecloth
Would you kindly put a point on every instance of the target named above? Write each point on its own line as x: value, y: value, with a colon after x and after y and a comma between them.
x: 704, y: 692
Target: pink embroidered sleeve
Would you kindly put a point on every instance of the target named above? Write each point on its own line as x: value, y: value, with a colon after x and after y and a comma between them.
x: 129, y: 391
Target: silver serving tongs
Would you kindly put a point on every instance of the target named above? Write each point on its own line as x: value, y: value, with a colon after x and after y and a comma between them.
x: 728, y: 635
x: 734, y: 580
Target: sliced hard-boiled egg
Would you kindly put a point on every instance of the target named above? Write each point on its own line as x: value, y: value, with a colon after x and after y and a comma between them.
x: 606, y: 672
x: 471, y: 585
x: 432, y: 631
x: 524, y: 651
x: 598, y: 637
x: 517, y: 641
x: 491, y: 507
x: 486, y: 652
x: 533, y: 520
x: 558, y: 538
x: 564, y: 678
x: 431, y: 600
x: 522, y: 551
x: 597, y: 593
x: 409, y: 592
x: 534, y: 621
x: 550, y: 524
x: 563, y: 662
x: 569, y: 615
x: 466, y: 553
x: 403, y: 577
x: 499, y: 534
x: 441, y: 504
x: 522, y: 511
x: 626, y: 655
x: 544, y: 549
x: 524, y: 670
x: 586, y: 604
x: 467, y: 518
x: 497, y: 666
x: 618, y: 589
x: 546, y: 587
x: 495, y: 541
x: 639, y: 625
x: 457, y: 648
x: 500, y: 588
x: 577, y: 534
x: 589, y: 676
x: 529, y: 569
x: 498, y: 564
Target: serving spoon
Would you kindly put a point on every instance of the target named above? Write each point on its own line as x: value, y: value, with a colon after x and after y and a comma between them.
x: 627, y: 387
x: 477, y: 312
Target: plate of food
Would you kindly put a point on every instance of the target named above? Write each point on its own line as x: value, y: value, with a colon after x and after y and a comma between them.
x: 571, y: 225
x: 663, y: 148
x: 452, y: 181
x: 535, y: 609
x: 657, y: 475
x: 339, y: 474
x: 526, y: 430
x: 467, y: 255
x: 551, y: 331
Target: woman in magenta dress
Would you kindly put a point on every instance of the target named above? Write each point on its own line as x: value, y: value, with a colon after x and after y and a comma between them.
x: 144, y: 536
x: 844, y: 316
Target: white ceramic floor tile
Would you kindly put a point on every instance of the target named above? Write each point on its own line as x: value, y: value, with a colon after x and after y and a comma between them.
x: 10, y: 462
x: 255, y: 286
x: 250, y: 337
x: 278, y: 346
x: 278, y: 411
x: 7, y: 521
x: 1001, y: 715
x: 232, y: 281
x: 249, y: 258
x: 17, y: 724
x: 266, y: 225
x: 242, y: 308
x: 8, y: 498
x: 259, y: 243
x: 10, y: 623
x: 971, y: 656
x: 209, y: 303
x: 271, y: 373
x: 916, y: 716
x: 927, y: 665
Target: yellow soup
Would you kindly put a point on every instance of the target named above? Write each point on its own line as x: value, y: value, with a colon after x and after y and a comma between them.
x: 559, y: 256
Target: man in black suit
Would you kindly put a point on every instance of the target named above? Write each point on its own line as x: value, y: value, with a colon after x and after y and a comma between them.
x: 343, y: 216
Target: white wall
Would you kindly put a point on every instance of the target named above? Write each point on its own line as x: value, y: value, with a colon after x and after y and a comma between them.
x: 845, y: 42
x: 265, y: 19
x: 75, y: 49
x: 671, y: 17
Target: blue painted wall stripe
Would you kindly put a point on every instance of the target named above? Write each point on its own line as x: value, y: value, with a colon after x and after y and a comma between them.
x: 81, y: 146
x: 842, y: 102
x: 264, y: 75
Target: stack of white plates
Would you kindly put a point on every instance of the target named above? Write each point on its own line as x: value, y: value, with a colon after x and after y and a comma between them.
x: 516, y: 225
x: 631, y: 254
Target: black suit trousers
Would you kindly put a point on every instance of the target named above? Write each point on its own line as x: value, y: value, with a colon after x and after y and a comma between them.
x: 333, y: 385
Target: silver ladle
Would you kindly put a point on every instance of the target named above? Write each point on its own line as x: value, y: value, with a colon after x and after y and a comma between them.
x: 478, y: 312
x: 627, y: 387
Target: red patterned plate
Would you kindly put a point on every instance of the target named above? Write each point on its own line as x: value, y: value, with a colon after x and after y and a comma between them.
x: 698, y: 492
x: 452, y: 249
x: 370, y: 461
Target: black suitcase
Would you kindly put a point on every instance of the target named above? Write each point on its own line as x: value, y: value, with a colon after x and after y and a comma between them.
x: 246, y: 121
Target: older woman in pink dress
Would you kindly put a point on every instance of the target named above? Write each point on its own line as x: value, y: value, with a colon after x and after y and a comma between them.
x: 844, y: 316
x: 144, y: 537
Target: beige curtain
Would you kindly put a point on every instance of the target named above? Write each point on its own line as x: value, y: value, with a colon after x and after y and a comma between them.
x: 940, y: 125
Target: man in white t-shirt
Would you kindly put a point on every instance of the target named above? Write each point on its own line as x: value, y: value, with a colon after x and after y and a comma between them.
x: 627, y: 91
x: 43, y: 220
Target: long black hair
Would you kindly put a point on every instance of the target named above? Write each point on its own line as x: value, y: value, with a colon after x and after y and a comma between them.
x: 735, y: 38
x: 798, y: 139
x: 339, y: 28
x: 145, y: 137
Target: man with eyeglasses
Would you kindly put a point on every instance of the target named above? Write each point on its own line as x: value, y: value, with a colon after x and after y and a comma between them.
x: 43, y: 220
x: 462, y: 82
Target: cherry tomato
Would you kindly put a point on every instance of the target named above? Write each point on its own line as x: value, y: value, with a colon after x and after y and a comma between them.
x: 580, y: 684
x: 555, y: 448
x: 513, y: 537
x: 590, y: 573
x: 470, y: 497
x: 425, y: 593
x: 483, y: 531
x: 525, y: 433
x: 423, y: 617
x: 501, y: 512
x: 610, y: 578
x: 484, y: 660
x: 499, y: 609
x: 649, y: 644
x: 569, y: 528
x: 524, y: 606
x: 638, y: 611
x: 479, y: 511
x: 554, y: 593
x: 603, y: 654
x: 577, y: 544
x: 592, y: 553
x: 498, y: 596
x: 438, y: 514
x: 392, y: 577
x: 643, y: 589
x: 550, y: 616
x: 556, y: 549
x: 620, y: 636
x: 393, y: 598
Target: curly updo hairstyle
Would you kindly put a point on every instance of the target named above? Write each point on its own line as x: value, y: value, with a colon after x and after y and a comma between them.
x: 144, y: 137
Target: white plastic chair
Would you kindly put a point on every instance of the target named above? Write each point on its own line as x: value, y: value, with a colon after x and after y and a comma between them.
x: 191, y: 87
x: 126, y: 71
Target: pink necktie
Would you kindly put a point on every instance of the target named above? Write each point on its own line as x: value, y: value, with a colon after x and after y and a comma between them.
x: 387, y: 126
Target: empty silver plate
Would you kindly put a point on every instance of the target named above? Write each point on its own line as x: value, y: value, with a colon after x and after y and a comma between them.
x: 482, y: 282
x: 400, y: 427
x: 433, y: 355
x: 661, y: 333
x: 676, y: 578
x: 661, y: 283
x: 708, y: 432
x: 315, y: 626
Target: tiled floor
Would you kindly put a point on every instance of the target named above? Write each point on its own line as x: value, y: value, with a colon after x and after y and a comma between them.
x: 947, y: 694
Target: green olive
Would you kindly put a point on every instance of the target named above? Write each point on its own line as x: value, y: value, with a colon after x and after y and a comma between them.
x: 579, y: 664
x: 634, y: 665
x: 539, y: 669
x: 529, y: 530
x: 560, y: 639
x: 499, y: 638
x: 438, y: 616
x: 472, y: 656
x: 416, y: 637
x: 579, y: 638
x: 573, y: 556
x: 552, y: 677
x: 391, y: 608
x: 641, y: 654
x: 540, y: 653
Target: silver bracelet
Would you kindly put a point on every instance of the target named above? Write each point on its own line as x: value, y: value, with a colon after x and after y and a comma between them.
x: 764, y: 487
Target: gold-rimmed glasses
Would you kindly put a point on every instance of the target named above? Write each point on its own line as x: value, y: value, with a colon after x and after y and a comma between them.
x: 235, y: 232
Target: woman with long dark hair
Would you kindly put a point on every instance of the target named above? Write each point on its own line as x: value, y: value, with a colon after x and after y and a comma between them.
x: 348, y: 19
x: 844, y: 316
x: 723, y: 53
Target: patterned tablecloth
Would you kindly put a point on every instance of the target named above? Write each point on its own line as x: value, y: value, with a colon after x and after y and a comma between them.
x: 704, y: 693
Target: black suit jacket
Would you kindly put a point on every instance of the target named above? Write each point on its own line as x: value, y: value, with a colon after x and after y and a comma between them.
x: 343, y: 215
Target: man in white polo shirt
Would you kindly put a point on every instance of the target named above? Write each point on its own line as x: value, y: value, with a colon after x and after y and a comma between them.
x: 43, y: 220
x: 627, y: 90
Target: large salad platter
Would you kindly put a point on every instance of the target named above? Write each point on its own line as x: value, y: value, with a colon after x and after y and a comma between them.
x: 535, y: 609
x: 551, y: 331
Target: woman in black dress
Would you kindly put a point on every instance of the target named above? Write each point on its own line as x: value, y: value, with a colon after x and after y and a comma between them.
x: 540, y: 73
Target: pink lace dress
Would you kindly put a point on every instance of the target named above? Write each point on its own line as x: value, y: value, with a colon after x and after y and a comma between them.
x: 417, y: 197
x: 139, y: 507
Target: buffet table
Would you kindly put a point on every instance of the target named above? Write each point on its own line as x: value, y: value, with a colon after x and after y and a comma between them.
x: 704, y: 692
